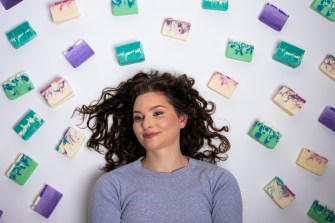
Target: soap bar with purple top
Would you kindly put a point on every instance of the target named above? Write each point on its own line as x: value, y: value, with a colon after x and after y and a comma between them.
x: 46, y: 201
x: 279, y: 192
x: 7, y: 4
x: 78, y: 53
x: 273, y: 17
x: 328, y: 66
x: 327, y: 117
x: 176, y: 29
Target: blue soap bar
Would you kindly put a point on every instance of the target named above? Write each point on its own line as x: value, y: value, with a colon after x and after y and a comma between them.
x: 130, y: 53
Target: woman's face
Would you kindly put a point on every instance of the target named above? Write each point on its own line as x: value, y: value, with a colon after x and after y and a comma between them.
x: 156, y: 123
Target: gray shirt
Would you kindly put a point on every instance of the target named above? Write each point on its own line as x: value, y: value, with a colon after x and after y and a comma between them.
x: 199, y: 192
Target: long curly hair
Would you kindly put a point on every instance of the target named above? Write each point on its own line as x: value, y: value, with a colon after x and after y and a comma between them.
x: 110, y: 119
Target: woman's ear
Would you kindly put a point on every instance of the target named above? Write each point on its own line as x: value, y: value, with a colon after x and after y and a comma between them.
x: 183, y: 120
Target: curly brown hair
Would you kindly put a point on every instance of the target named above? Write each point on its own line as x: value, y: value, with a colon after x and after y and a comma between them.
x: 115, y: 137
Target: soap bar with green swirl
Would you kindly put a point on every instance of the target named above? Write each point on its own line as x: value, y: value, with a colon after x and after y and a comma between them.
x: 321, y: 212
x: 265, y: 134
x: 325, y: 8
x: 28, y: 125
x: 124, y: 7
x: 288, y: 54
x: 21, y: 34
x: 221, y: 5
x: 239, y: 50
x: 18, y: 85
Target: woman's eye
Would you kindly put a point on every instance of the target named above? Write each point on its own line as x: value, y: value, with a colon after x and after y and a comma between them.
x: 137, y: 118
x: 158, y: 113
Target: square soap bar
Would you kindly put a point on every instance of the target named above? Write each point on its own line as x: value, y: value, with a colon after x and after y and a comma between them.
x: 325, y: 8
x: 288, y: 54
x: 7, y: 4
x: 130, y: 53
x: 239, y: 50
x: 222, y: 84
x: 28, y: 125
x: 312, y: 162
x: 327, y: 118
x: 18, y: 85
x: 215, y: 4
x: 21, y: 34
x: 63, y: 11
x: 22, y: 169
x: 279, y: 192
x: 57, y: 92
x: 71, y: 142
x: 176, y: 29
x: 289, y: 101
x: 78, y: 53
x: 46, y: 202
x: 124, y: 7
x: 321, y: 212
x: 265, y: 134
x: 328, y: 66
x: 273, y: 17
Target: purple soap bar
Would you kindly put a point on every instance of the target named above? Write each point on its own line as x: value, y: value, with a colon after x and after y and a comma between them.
x: 273, y: 17
x: 78, y: 53
x: 47, y: 201
x: 327, y: 117
x: 7, y: 4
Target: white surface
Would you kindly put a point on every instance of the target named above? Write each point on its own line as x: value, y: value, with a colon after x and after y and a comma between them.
x: 204, y: 52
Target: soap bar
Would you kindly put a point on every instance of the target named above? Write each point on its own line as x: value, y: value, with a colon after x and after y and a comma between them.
x: 312, y: 161
x: 7, y: 4
x: 124, y: 7
x: 21, y: 35
x: 215, y: 4
x: 279, y: 192
x: 46, y: 202
x: 321, y: 212
x: 176, y: 29
x: 130, y: 53
x: 288, y: 54
x: 71, y: 142
x: 18, y: 85
x: 327, y: 117
x: 22, y: 169
x: 289, y: 101
x: 325, y: 8
x: 63, y: 11
x: 222, y: 84
x: 28, y: 125
x: 265, y: 134
x: 273, y: 17
x: 328, y: 66
x: 78, y: 53
x: 239, y: 50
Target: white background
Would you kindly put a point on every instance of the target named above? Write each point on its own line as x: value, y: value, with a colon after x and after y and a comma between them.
x: 202, y: 54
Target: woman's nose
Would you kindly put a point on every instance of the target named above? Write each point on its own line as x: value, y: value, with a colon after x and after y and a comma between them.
x: 147, y: 123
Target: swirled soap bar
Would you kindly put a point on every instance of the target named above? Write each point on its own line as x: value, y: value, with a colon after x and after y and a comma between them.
x: 265, y: 134
x: 124, y: 7
x: 222, y: 84
x: 215, y: 4
x: 321, y: 212
x: 28, y: 125
x: 289, y: 101
x: 312, y: 161
x: 63, y: 11
x: 18, y: 85
x: 327, y: 118
x: 273, y: 17
x: 239, y: 50
x: 7, y: 4
x: 78, y: 53
x: 176, y: 29
x: 21, y: 35
x: 325, y: 8
x: 71, y: 142
x: 288, y: 54
x: 279, y: 192
x: 130, y: 53
x: 328, y: 66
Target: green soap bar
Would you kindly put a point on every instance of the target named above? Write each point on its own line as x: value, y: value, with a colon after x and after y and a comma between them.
x: 321, y: 213
x: 18, y: 85
x: 22, y: 169
x: 221, y: 5
x: 264, y: 134
x: 21, y: 34
x: 28, y: 125
x: 124, y: 7
x: 239, y: 51
x: 288, y: 54
x: 130, y: 53
x: 325, y: 8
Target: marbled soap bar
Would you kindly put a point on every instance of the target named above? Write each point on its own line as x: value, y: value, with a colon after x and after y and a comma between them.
x: 28, y: 125
x: 288, y: 54
x: 289, y: 101
x: 63, y: 11
x: 215, y: 4
x: 21, y: 35
x: 239, y: 50
x: 124, y: 7
x: 18, y: 85
x: 130, y: 53
x: 328, y: 66
x: 312, y: 162
x: 57, y: 92
x: 7, y: 4
x: 176, y: 29
x: 78, y: 53
x: 71, y: 142
x: 327, y: 118
x: 265, y: 134
x: 279, y: 192
x: 321, y: 212
x: 22, y: 169
x: 222, y: 84
x: 46, y: 202
x: 325, y: 8
x: 273, y: 17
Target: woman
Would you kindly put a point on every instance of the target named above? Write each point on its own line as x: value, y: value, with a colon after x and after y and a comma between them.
x: 153, y: 145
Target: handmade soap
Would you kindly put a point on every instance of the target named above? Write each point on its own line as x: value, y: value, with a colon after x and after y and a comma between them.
x: 328, y: 66
x: 130, y: 53
x: 288, y: 54
x: 7, y: 4
x: 46, y: 202
x: 327, y: 117
x: 63, y: 11
x: 28, y: 125
x: 325, y: 8
x: 17, y: 85
x: 124, y: 7
x: 78, y: 53
x: 71, y: 142
x: 312, y: 161
x: 279, y: 192
x: 22, y: 169
x: 239, y: 50
x: 289, y: 101
x: 222, y: 84
x: 21, y: 34
x: 273, y: 17
x: 265, y: 134
x: 176, y: 29
x: 321, y: 212
x: 215, y: 4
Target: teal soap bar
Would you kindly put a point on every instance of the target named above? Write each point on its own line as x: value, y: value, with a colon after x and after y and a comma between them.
x: 21, y: 34
x: 22, y: 169
x: 130, y: 53
x: 288, y: 54
x: 18, y: 85
x: 221, y: 5
x: 124, y: 7
x: 325, y: 8
x: 321, y: 213
x: 265, y: 134
x: 238, y: 50
x: 28, y: 125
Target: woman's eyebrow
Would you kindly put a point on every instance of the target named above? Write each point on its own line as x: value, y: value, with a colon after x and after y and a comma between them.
x: 152, y: 108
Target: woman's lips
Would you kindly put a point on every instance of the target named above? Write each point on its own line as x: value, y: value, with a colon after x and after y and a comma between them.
x: 150, y: 135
